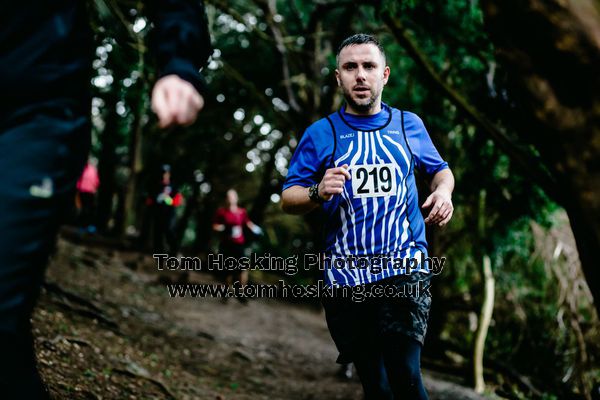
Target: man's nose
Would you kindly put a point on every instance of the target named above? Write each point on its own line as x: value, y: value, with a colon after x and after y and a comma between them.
x: 361, y: 74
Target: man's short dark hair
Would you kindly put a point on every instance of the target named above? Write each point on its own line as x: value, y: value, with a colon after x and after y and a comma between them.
x: 360, y: 38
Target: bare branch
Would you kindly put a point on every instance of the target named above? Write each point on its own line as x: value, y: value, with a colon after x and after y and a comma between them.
x: 527, y: 162
x: 269, y: 8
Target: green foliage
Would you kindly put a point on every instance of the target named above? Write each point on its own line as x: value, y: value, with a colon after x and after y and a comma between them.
x: 246, y: 135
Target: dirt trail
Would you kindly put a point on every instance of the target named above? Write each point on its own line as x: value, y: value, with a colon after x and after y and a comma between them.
x: 107, y: 329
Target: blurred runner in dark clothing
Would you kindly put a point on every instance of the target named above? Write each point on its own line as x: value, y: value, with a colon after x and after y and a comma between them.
x: 45, y: 69
x: 166, y: 198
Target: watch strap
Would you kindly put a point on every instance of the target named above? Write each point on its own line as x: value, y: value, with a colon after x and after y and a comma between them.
x: 313, y: 194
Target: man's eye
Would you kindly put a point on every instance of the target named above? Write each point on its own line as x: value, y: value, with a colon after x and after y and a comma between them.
x: 349, y: 67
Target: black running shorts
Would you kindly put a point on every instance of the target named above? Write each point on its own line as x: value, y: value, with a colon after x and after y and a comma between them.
x: 360, y: 323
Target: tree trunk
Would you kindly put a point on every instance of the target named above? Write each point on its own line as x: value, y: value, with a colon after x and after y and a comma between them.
x: 267, y: 188
x: 107, y: 163
x: 551, y: 50
x: 204, y: 232
x: 191, y: 207
x: 487, y: 305
x: 135, y: 167
x: 135, y: 144
x: 485, y: 318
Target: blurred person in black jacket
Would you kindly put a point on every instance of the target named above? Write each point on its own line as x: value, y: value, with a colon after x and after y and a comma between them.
x: 46, y: 53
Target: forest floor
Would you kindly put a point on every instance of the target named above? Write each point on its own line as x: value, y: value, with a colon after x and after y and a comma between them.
x: 106, y: 328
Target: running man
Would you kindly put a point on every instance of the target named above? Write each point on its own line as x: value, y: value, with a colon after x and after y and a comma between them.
x: 87, y: 186
x: 358, y: 164
x: 230, y: 221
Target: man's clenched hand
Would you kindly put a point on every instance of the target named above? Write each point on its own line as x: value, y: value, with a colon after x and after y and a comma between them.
x: 333, y: 181
x: 175, y: 101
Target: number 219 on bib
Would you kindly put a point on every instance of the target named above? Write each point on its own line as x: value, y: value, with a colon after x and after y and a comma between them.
x: 373, y: 180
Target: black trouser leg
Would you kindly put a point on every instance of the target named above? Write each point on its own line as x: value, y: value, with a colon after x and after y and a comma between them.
x: 372, y: 374
x: 19, y: 378
x: 402, y: 359
x: 158, y: 245
x: 87, y: 209
x: 42, y: 154
x: 170, y: 235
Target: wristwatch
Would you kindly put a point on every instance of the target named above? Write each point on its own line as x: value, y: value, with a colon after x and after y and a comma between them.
x: 313, y: 194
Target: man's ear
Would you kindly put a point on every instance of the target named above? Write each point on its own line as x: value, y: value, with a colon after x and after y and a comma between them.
x: 386, y: 74
x: 337, y: 77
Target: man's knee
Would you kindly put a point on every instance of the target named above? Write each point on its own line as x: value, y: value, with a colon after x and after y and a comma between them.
x: 404, y: 371
x: 403, y: 361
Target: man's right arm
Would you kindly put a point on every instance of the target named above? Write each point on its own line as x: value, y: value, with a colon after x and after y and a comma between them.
x: 181, y: 43
x: 295, y: 199
x: 180, y: 40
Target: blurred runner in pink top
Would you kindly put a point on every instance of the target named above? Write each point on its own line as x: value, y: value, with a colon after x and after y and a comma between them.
x: 87, y: 186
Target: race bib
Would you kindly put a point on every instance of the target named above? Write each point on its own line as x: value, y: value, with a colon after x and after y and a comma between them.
x: 373, y: 180
x: 236, y: 231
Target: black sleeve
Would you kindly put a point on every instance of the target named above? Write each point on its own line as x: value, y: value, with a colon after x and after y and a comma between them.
x: 181, y: 41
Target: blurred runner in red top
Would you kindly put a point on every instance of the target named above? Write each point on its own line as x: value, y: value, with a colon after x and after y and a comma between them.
x: 230, y: 222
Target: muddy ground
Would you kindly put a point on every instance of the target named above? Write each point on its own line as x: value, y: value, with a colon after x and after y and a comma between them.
x: 106, y: 328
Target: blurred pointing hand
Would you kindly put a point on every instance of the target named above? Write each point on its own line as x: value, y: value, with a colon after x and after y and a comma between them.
x: 175, y: 101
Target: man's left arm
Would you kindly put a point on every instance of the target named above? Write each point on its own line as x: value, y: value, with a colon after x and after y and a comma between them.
x: 429, y: 161
x: 440, y: 199
x: 181, y: 42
